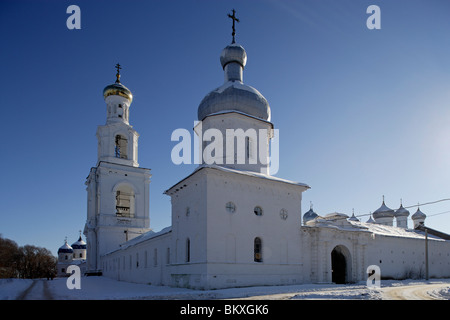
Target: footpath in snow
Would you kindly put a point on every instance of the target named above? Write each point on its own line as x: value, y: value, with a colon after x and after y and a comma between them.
x: 102, y: 288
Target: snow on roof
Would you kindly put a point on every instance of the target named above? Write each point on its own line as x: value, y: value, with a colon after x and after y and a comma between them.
x: 143, y: 237
x: 336, y: 221
x: 242, y: 172
x: 391, y: 230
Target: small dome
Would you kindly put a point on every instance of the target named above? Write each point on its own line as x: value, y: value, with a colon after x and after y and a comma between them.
x: 117, y: 89
x: 65, y: 248
x: 233, y: 53
x: 383, y: 212
x: 353, y: 218
x: 418, y: 215
x: 401, y: 212
x: 80, y: 244
x: 370, y: 220
x: 309, y: 215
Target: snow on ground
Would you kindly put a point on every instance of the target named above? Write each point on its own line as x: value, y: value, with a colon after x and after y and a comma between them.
x: 102, y: 288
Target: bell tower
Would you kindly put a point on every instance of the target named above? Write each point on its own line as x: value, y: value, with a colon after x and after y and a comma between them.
x: 117, y: 140
x: 117, y: 188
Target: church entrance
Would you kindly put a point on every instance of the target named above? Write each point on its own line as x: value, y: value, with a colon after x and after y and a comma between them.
x: 340, y: 265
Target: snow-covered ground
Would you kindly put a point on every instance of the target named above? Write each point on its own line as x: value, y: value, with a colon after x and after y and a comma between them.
x: 102, y: 288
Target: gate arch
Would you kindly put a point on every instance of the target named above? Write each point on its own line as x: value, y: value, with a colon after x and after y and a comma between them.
x: 341, y: 265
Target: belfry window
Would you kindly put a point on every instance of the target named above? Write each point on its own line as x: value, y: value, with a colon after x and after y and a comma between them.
x: 257, y: 248
x: 121, y: 147
x: 125, y: 202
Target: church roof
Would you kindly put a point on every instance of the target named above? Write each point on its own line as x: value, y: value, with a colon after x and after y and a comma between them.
x: 239, y: 172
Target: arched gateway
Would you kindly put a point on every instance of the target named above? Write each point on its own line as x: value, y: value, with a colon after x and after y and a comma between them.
x: 341, y: 265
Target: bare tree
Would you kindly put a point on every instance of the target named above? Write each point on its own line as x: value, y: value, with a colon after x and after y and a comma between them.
x: 25, y: 262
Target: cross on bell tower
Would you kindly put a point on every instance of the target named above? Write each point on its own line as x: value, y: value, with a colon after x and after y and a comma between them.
x: 233, y: 17
x: 118, y: 67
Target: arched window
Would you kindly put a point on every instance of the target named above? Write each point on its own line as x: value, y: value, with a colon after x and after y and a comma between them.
x: 121, y: 147
x: 188, y: 250
x: 125, y: 201
x: 257, y: 249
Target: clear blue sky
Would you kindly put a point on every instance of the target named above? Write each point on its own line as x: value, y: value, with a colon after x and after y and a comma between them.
x: 362, y: 113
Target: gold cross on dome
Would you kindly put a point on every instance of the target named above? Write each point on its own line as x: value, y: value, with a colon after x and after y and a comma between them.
x: 118, y: 67
x: 233, y: 17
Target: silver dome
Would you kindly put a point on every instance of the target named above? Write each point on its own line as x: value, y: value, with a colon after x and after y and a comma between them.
x: 234, y: 95
x: 383, y: 212
x: 418, y: 215
x: 401, y: 212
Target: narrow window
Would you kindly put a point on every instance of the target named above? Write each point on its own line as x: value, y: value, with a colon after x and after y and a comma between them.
x: 155, y: 257
x: 247, y: 148
x: 188, y: 250
x: 168, y: 256
x: 121, y: 147
x: 257, y: 250
x: 145, y: 261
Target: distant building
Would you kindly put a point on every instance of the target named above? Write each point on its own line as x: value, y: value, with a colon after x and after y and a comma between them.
x: 71, y: 255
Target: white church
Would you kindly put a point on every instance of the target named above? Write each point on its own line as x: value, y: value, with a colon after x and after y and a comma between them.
x: 234, y: 224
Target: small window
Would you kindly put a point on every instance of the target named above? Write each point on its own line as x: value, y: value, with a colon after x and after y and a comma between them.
x: 231, y: 207
x: 258, y: 211
x: 188, y: 211
x: 257, y: 250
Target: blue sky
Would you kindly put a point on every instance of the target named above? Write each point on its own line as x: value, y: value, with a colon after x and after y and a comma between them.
x: 361, y: 113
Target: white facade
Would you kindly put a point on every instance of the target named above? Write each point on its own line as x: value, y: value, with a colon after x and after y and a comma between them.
x: 232, y: 223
